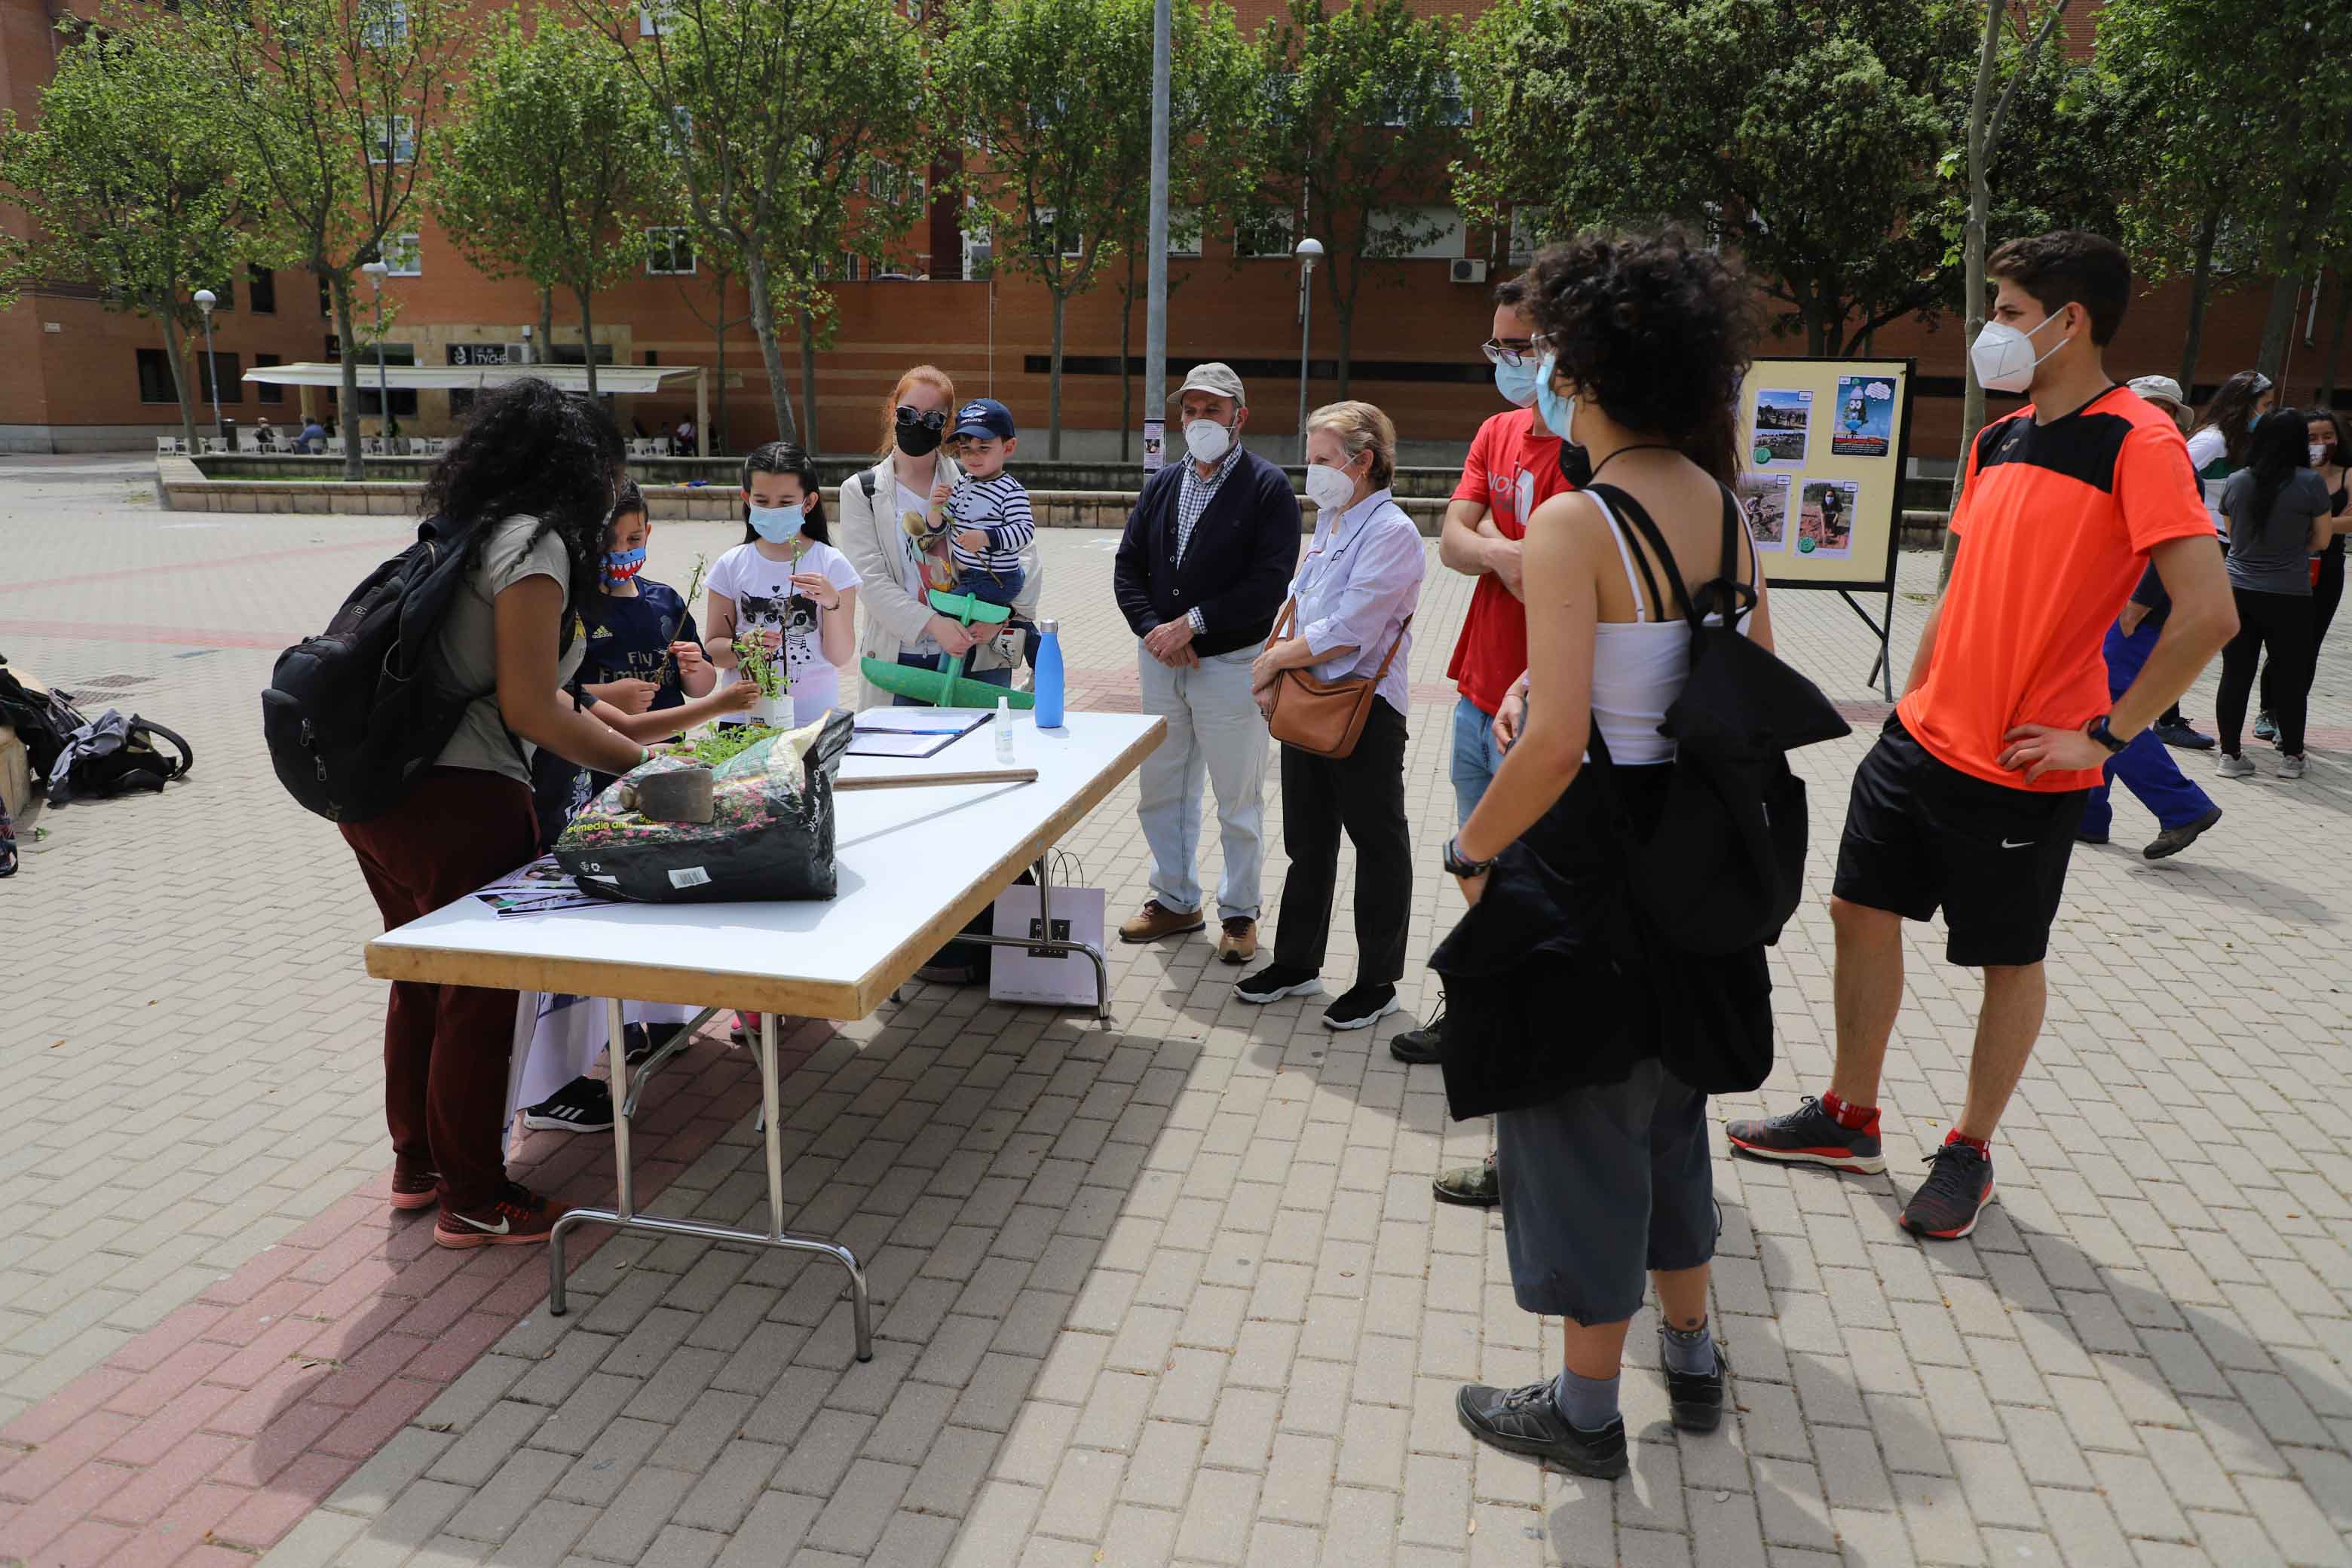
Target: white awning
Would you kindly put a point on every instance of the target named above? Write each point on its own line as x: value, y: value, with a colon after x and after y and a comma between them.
x: 618, y: 378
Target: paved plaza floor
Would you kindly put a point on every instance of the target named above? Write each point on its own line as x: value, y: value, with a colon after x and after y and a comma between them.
x: 1173, y: 1292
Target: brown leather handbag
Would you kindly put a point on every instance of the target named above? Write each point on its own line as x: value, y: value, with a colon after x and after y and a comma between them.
x: 1323, y: 717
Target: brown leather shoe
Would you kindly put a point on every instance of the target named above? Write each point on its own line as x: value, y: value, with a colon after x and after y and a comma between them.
x: 1155, y: 920
x: 1238, y: 941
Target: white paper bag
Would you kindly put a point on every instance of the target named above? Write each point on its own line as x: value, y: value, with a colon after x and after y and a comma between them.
x: 1021, y: 975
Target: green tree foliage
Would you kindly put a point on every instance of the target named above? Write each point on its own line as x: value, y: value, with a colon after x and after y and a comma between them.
x: 1363, y: 111
x: 334, y: 104
x: 133, y: 181
x: 553, y: 165
x: 780, y: 111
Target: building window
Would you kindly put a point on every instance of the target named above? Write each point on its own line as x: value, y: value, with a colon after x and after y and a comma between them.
x: 263, y: 391
x: 888, y: 183
x: 670, y: 253
x: 392, y: 140
x: 262, y: 289
x: 1266, y: 232
x: 656, y: 17
x: 1527, y: 234
x: 403, y: 257
x: 155, y: 377
x: 678, y: 132
x: 230, y: 370
x: 384, y: 24
x: 1184, y: 231
x: 1046, y: 229
x: 1417, y: 234
x: 1451, y: 109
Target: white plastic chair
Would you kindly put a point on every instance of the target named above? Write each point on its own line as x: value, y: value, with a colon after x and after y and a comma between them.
x: 334, y: 446
x: 169, y: 446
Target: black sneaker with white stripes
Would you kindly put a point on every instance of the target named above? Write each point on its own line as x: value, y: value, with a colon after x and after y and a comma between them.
x: 583, y: 1105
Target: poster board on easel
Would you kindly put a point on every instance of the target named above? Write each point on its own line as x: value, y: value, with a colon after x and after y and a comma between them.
x: 1823, y: 446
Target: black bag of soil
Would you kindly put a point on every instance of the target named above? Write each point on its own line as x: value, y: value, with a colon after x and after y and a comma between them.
x: 769, y: 836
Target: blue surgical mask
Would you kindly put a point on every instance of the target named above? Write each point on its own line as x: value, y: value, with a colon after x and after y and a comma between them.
x: 1516, y: 382
x: 1558, y: 413
x: 777, y: 524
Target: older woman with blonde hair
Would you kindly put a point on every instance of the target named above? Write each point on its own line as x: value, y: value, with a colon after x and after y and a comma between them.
x: 1350, y: 604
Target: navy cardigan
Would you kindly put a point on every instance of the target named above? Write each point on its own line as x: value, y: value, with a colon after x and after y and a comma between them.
x: 1243, y: 553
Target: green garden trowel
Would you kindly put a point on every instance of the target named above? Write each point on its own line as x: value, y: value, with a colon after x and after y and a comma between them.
x: 948, y: 686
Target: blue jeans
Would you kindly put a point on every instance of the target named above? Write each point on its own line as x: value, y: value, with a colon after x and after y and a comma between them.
x: 1475, y: 757
x: 931, y: 661
x: 991, y: 586
x: 2146, y: 766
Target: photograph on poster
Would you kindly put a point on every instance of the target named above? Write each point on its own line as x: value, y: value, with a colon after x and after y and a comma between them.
x: 1825, y: 518
x: 1784, y: 426
x: 1764, y: 506
x: 1864, y: 422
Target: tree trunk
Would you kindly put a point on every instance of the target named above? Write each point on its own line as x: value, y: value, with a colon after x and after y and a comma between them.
x: 1054, y: 384
x: 2318, y: 201
x: 175, y: 354
x: 808, y: 383
x: 1972, y: 268
x: 1126, y: 380
x: 587, y: 338
x: 719, y: 413
x: 772, y: 349
x: 339, y: 289
x: 547, y: 326
x: 2200, y: 288
x: 1347, y: 314
x: 2334, y: 344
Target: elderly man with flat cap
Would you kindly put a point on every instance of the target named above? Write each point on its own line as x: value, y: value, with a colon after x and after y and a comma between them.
x: 1201, y: 575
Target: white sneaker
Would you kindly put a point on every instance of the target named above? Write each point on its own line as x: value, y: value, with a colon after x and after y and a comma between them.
x: 2235, y: 767
x: 2291, y: 767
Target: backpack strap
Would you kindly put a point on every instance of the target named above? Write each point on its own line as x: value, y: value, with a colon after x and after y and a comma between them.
x: 187, y: 758
x: 1624, y: 505
x: 1633, y: 560
x: 866, y: 481
x: 1742, y: 597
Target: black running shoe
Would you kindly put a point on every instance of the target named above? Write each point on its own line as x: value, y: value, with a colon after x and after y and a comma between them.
x: 1418, y: 1047
x: 1808, y: 1135
x: 1360, y: 1007
x: 1956, y: 1192
x: 1527, y: 1421
x: 1695, y: 1399
x: 1277, y: 981
x: 2180, y: 734
x: 583, y: 1105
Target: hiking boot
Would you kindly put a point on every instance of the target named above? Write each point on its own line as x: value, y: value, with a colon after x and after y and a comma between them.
x: 1473, y: 1186
x: 2265, y: 727
x: 1695, y: 1399
x: 2234, y: 766
x: 1957, y: 1188
x: 2291, y: 767
x: 583, y: 1105
x: 1277, y: 981
x: 516, y: 1217
x: 2173, y: 841
x: 1810, y: 1135
x: 2182, y: 736
x: 1237, y: 941
x: 1360, y: 1007
x: 1418, y: 1047
x: 1156, y: 920
x: 1527, y: 1421
x: 414, y: 1189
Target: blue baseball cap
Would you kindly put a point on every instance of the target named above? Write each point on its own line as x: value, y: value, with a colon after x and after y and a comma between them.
x: 984, y: 417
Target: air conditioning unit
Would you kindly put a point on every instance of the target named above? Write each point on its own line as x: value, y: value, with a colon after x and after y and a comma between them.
x: 1467, y: 271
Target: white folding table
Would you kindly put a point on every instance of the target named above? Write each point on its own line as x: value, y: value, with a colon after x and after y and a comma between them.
x: 916, y: 864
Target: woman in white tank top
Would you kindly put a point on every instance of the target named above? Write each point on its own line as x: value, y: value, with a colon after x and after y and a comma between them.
x: 1603, y: 1152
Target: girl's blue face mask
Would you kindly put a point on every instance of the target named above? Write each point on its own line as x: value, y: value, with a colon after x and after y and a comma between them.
x: 777, y: 524
x: 620, y: 565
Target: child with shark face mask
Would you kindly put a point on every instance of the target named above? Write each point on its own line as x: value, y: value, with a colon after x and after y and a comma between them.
x: 788, y: 585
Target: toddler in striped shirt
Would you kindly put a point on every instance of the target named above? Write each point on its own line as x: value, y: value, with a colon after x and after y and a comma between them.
x: 981, y: 525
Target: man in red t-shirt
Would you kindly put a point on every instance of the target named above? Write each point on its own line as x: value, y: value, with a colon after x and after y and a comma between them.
x: 1970, y: 798
x: 1513, y: 467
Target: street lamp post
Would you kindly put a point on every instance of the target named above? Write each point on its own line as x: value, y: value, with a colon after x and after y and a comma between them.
x: 375, y: 271
x: 1309, y: 252
x: 205, y: 300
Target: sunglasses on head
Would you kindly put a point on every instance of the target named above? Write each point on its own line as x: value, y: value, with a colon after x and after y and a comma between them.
x: 937, y: 419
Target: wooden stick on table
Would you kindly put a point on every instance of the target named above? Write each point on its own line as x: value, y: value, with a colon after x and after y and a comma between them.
x: 925, y: 781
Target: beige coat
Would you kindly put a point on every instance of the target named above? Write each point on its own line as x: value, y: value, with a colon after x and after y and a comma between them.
x: 872, y: 536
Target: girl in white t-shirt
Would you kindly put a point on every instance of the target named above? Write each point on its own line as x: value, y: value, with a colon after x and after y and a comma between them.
x: 787, y: 585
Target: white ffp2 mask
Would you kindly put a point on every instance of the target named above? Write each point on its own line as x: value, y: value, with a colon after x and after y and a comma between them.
x: 1207, y: 440
x: 2004, y: 357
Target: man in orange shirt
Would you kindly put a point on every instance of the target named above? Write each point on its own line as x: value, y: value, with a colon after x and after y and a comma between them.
x: 1970, y: 798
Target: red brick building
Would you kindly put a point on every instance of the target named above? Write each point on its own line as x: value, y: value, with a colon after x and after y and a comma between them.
x: 85, y: 378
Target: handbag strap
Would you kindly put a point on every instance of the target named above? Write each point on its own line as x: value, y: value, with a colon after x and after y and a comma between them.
x: 1395, y: 643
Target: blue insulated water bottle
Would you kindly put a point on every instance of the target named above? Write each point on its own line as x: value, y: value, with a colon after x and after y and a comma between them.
x: 1049, y: 675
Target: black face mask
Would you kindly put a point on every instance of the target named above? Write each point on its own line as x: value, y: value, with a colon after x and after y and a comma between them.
x: 1575, y: 465
x: 919, y: 437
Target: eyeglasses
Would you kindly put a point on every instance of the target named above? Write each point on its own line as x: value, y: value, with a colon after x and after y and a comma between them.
x: 937, y: 419
x: 1497, y: 351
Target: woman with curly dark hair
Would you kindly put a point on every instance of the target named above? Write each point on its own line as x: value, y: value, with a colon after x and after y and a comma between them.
x: 1601, y: 1149
x: 526, y: 490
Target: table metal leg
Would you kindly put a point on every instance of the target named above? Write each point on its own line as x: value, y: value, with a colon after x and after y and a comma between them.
x: 624, y: 1217
x: 1047, y: 941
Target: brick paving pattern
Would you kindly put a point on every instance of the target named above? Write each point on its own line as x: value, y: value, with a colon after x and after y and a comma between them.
x: 1169, y: 1292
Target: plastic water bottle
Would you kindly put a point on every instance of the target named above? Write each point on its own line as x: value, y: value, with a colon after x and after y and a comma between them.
x: 1049, y: 675
x: 1004, y: 731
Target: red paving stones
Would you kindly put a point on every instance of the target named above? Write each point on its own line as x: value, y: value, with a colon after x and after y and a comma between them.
x: 208, y: 1438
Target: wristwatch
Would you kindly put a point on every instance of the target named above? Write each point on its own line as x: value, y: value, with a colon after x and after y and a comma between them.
x: 2097, y: 729
x: 1455, y: 865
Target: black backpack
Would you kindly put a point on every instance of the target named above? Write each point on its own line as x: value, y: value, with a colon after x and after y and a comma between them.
x: 113, y: 754
x: 354, y: 714
x: 1725, y: 868
x: 42, y: 720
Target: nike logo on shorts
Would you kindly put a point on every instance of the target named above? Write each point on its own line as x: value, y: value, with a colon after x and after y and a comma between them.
x: 2019, y: 844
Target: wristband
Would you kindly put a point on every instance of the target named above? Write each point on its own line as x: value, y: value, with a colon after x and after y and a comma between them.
x: 1455, y: 865
x: 2097, y: 729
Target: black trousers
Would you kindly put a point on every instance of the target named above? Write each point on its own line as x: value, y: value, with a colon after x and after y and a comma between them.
x: 1363, y: 794
x: 2326, y: 594
x: 2281, y: 622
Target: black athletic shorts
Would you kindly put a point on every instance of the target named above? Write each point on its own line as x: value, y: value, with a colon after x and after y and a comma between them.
x: 1920, y: 834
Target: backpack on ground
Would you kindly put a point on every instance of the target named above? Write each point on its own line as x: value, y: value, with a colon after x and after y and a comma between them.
x: 42, y: 720
x: 1725, y: 869
x: 354, y: 714
x: 112, y: 754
